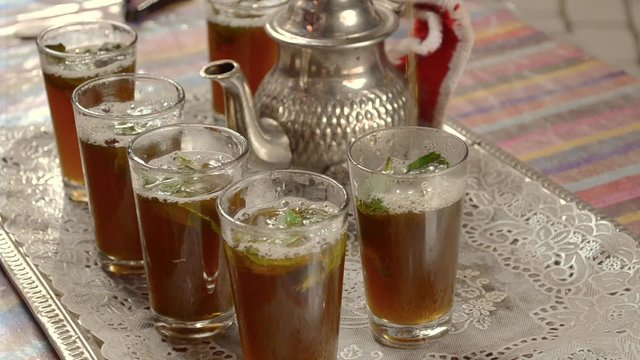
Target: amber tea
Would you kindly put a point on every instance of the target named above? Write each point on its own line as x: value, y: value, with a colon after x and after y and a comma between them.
x: 59, y: 91
x: 408, y: 183
x: 285, y: 245
x: 113, y: 206
x: 241, y: 38
x: 70, y: 55
x: 178, y: 172
x: 410, y: 259
x: 109, y: 112
x: 180, y: 228
x: 303, y: 282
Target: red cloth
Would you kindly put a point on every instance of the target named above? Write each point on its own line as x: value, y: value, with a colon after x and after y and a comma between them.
x: 438, y: 72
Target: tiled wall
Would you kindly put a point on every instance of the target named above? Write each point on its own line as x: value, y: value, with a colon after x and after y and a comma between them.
x: 607, y: 29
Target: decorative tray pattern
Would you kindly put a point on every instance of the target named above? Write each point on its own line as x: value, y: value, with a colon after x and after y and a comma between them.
x: 541, y: 275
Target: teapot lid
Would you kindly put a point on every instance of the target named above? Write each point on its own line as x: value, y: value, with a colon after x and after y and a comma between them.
x: 332, y: 23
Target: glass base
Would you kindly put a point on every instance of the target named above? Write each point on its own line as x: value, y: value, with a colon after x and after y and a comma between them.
x: 75, y: 191
x: 409, y: 336
x: 193, y: 330
x: 121, y: 267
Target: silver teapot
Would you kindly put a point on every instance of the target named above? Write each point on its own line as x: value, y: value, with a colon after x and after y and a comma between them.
x: 331, y: 84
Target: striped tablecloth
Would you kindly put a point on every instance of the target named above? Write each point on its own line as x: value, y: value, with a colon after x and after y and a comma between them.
x: 571, y: 117
x: 568, y: 116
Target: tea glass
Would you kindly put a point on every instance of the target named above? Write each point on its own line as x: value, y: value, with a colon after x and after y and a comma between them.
x: 285, y: 233
x: 235, y: 30
x: 178, y: 172
x: 109, y: 112
x: 409, y: 221
x: 71, y: 54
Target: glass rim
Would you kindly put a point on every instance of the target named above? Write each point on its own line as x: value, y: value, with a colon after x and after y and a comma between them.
x: 42, y: 48
x: 256, y: 8
x: 236, y: 161
x: 229, y: 189
x: 179, y: 102
x: 367, y: 170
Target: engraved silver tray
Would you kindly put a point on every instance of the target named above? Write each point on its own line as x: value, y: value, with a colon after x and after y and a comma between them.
x: 541, y: 274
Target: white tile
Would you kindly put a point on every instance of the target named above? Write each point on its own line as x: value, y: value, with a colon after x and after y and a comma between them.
x: 598, y: 10
x: 549, y: 25
x: 605, y: 43
x: 631, y: 67
x: 635, y: 10
x: 599, y: 27
x: 525, y: 6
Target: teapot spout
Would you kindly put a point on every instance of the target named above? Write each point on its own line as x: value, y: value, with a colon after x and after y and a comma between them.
x: 268, y: 140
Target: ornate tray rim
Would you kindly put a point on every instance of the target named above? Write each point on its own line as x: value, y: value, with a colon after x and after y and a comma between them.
x: 57, y: 322
x: 71, y: 341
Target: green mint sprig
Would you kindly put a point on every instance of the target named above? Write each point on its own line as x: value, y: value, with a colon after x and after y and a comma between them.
x: 432, y: 158
x: 59, y: 47
x: 186, y: 164
x: 292, y: 217
x: 388, y: 165
x: 373, y: 206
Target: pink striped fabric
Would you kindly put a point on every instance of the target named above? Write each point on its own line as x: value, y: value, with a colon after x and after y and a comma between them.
x: 570, y: 117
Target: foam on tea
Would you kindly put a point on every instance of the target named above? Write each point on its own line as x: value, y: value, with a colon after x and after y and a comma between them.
x: 288, y: 243
x: 435, y: 192
x: 231, y: 22
x: 187, y: 185
x: 88, y: 61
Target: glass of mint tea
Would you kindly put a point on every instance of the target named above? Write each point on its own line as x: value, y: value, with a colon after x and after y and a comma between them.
x: 71, y: 54
x: 178, y: 172
x: 285, y: 234
x: 109, y: 112
x: 408, y: 185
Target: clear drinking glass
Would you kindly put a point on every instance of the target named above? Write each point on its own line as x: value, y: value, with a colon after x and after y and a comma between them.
x: 285, y: 233
x: 109, y: 112
x: 71, y: 54
x: 409, y: 185
x: 235, y: 30
x: 178, y: 172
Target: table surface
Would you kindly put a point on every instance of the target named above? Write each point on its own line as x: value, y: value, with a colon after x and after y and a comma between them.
x: 564, y: 114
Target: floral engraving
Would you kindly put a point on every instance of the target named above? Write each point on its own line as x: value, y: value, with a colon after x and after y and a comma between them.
x: 352, y: 352
x: 477, y: 303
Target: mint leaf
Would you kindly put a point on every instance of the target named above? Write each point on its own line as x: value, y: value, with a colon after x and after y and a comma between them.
x: 388, y: 165
x: 185, y: 163
x: 57, y: 47
x: 432, y: 158
x: 292, y: 218
x: 373, y: 206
